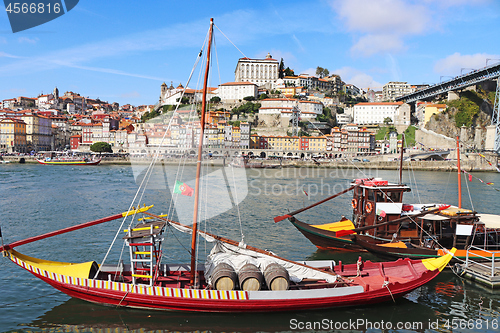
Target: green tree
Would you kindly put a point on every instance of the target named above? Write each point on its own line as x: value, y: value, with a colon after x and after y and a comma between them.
x: 248, y: 107
x: 166, y: 108
x: 289, y: 72
x: 468, y: 107
x: 101, y: 147
x: 215, y: 99
x: 249, y: 98
x: 322, y: 72
x: 387, y: 120
x: 150, y: 115
x: 281, y: 70
x: 263, y: 96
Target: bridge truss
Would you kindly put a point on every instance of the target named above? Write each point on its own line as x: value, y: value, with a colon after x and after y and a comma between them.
x: 495, y: 118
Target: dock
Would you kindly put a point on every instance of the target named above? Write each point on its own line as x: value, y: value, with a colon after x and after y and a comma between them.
x: 484, y: 270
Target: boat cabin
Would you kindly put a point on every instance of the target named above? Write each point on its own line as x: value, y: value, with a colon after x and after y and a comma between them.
x: 377, y: 201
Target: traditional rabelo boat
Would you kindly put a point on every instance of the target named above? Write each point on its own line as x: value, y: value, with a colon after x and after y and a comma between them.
x: 235, y: 278
x: 61, y: 158
x: 69, y: 161
x: 381, y: 223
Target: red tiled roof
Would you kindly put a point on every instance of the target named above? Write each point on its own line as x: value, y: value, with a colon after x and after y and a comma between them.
x: 238, y: 84
x: 380, y: 103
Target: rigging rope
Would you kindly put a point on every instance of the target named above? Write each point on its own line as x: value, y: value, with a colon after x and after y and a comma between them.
x: 145, y: 180
x: 468, y: 191
x: 238, y: 207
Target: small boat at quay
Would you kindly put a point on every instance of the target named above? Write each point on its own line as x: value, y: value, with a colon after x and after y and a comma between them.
x: 235, y: 276
x: 65, y: 158
x: 69, y: 161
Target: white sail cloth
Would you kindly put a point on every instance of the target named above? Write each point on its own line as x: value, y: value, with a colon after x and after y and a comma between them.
x: 238, y: 256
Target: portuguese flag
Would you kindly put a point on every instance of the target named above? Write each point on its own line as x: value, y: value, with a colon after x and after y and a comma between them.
x: 183, y: 188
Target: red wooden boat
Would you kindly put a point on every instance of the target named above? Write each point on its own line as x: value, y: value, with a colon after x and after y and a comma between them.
x: 235, y: 278
x: 169, y: 287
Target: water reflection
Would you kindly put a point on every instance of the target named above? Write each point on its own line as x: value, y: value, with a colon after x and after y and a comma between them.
x: 446, y: 301
x: 79, y: 316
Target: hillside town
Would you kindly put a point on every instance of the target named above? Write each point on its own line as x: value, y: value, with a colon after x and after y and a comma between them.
x: 267, y: 111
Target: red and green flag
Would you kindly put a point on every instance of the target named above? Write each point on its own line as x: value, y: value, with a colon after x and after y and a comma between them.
x: 381, y: 213
x: 183, y: 188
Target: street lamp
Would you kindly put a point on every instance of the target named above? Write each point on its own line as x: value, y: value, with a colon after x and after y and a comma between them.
x: 461, y: 70
x: 441, y: 77
x: 490, y: 59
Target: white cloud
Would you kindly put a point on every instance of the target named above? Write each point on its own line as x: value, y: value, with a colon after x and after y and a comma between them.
x: 14, y: 91
x: 132, y: 94
x: 371, y: 44
x: 382, y: 24
x: 111, y: 71
x: 453, y: 64
x: 28, y: 40
x: 7, y: 55
x: 358, y: 78
x: 384, y: 16
x: 299, y: 44
x: 452, y: 3
x: 308, y: 71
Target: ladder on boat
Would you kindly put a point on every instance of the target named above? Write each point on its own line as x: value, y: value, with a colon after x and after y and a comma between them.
x: 144, y: 242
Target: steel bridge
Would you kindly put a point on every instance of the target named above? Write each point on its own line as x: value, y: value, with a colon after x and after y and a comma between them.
x: 461, y: 82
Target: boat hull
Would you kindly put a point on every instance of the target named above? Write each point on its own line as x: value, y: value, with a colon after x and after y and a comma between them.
x: 394, y: 252
x: 326, y: 240
x: 400, y: 277
x: 69, y: 162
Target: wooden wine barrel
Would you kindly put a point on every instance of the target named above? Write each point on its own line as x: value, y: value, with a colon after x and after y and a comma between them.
x: 276, y: 277
x: 250, y: 277
x: 224, y: 277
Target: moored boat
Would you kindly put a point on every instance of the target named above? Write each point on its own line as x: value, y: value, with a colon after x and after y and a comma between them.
x: 381, y: 223
x: 69, y: 161
x: 311, y: 285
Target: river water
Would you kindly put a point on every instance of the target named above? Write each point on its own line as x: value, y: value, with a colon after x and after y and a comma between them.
x: 36, y: 199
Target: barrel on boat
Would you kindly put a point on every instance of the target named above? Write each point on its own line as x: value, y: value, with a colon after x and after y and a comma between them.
x: 224, y: 277
x: 276, y: 277
x: 250, y: 277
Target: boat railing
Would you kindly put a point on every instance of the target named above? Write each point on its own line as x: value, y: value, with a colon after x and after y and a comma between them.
x: 468, y: 260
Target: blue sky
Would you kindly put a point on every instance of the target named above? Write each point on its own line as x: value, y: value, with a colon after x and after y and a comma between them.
x: 123, y: 50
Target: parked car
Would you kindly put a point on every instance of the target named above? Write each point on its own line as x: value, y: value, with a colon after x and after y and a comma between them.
x: 366, y: 160
x: 356, y: 160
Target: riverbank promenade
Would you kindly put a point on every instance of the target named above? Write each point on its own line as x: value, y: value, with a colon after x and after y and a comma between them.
x: 468, y: 163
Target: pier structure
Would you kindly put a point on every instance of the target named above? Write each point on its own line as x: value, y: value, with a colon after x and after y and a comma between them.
x: 484, y: 270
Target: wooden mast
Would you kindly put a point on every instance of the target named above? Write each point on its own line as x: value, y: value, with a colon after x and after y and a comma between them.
x: 401, y: 159
x: 459, y: 175
x: 198, y: 164
x: 281, y: 218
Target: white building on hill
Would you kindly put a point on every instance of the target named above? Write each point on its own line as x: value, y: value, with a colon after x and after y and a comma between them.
x: 232, y: 92
x: 376, y: 113
x: 258, y: 71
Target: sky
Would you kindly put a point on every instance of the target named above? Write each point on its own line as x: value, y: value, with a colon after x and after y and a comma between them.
x: 122, y: 51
